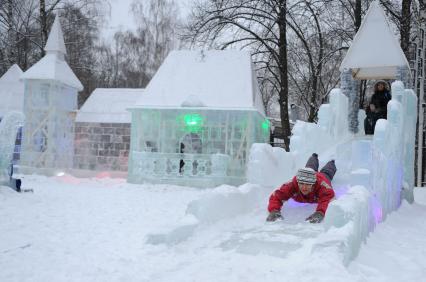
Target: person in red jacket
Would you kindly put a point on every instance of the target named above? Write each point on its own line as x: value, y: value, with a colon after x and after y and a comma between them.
x: 308, y: 186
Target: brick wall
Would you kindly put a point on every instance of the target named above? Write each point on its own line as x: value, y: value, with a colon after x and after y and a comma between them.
x: 102, y: 146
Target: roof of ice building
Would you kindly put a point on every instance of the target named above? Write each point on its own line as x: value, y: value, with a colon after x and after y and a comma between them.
x: 11, y: 91
x: 375, y: 52
x: 53, y: 66
x: 214, y: 79
x: 108, y: 105
x: 12, y: 75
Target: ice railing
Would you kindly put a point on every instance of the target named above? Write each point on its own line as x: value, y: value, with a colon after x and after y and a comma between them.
x: 378, y: 169
x: 9, y: 127
x: 178, y: 165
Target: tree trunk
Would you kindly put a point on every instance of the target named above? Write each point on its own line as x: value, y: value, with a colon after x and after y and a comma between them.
x: 10, y: 52
x: 283, y: 93
x: 357, y: 14
x: 405, y: 22
x: 43, y: 25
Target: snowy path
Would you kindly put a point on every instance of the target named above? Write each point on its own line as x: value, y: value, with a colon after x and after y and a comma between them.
x: 108, y: 230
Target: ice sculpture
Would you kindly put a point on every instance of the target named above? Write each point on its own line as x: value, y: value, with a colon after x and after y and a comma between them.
x: 9, y: 127
x: 49, y: 106
x: 378, y: 169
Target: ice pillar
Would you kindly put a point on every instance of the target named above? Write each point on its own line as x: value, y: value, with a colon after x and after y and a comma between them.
x: 350, y: 87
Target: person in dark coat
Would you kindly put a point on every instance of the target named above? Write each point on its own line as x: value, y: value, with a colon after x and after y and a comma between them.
x: 308, y: 186
x: 377, y: 108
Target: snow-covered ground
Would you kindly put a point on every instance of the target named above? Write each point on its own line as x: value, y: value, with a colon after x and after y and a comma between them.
x: 73, y: 229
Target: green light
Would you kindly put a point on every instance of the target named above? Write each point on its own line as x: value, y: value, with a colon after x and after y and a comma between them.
x: 193, y: 122
x: 266, y: 124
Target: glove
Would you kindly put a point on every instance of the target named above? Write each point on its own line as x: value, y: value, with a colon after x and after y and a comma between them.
x: 274, y: 215
x: 316, y: 217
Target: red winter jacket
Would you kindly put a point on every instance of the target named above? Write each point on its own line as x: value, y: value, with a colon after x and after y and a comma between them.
x: 322, y: 193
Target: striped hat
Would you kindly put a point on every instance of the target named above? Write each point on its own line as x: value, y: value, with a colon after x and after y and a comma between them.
x: 306, y: 175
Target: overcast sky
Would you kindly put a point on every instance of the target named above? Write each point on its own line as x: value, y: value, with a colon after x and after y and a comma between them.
x: 122, y: 19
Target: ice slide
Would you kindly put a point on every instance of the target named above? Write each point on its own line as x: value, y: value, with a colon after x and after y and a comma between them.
x: 374, y: 173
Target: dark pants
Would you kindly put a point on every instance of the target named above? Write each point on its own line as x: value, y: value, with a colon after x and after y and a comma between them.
x: 329, y: 169
x: 371, y: 120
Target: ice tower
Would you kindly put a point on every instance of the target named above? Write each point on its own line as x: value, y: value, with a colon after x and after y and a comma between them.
x: 374, y: 54
x: 195, y: 125
x: 50, y: 103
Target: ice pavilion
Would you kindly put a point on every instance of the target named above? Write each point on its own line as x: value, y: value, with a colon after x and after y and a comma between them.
x: 195, y: 124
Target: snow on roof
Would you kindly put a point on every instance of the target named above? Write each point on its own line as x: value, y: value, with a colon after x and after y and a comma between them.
x: 109, y: 105
x: 11, y: 91
x: 215, y: 79
x: 53, y: 66
x: 375, y: 52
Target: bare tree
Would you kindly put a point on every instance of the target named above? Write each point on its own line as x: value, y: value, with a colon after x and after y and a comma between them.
x: 157, y: 25
x: 258, y: 25
x: 80, y: 27
x: 134, y: 56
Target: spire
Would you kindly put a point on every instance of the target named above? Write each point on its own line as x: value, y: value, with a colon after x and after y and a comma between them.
x: 55, y: 43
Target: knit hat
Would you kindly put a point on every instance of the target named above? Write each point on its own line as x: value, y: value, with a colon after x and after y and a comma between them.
x: 306, y: 175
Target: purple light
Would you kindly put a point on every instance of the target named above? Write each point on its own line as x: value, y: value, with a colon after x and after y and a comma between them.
x: 377, y: 210
x: 340, y: 191
x: 293, y: 204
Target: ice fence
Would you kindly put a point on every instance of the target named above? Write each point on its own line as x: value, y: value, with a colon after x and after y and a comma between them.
x: 377, y: 171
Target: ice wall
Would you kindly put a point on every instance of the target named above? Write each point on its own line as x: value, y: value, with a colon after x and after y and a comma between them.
x: 383, y: 169
x: 331, y: 129
x: 271, y: 167
x: 9, y: 127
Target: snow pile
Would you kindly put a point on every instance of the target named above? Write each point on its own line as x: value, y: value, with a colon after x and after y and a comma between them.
x: 420, y: 195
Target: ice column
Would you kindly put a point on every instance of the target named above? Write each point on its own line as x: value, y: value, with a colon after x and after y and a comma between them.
x: 350, y: 88
x: 403, y: 74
